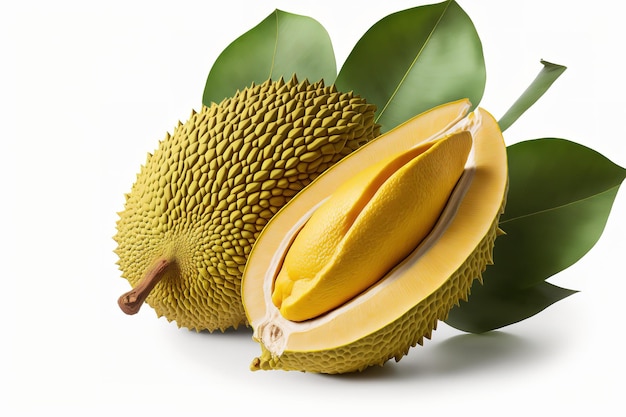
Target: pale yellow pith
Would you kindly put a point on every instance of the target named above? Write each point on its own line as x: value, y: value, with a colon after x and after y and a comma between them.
x: 369, y: 224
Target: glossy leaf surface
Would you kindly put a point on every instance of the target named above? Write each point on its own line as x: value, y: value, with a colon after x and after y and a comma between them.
x: 416, y: 59
x: 560, y: 197
x: 282, y: 45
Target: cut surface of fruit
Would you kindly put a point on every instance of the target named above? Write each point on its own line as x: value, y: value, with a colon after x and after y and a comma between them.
x: 383, y: 318
x: 368, y: 225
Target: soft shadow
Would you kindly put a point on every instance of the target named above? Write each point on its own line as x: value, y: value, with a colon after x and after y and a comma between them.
x: 471, y: 353
x: 241, y: 331
x: 213, y: 352
x: 458, y: 355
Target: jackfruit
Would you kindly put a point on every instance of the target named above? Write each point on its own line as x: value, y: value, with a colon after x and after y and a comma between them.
x: 202, y: 198
x: 384, y: 244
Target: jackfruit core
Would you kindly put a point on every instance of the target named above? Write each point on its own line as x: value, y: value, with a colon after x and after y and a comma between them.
x: 367, y: 227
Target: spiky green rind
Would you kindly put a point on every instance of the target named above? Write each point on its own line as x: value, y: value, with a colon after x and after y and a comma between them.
x: 395, y: 339
x: 206, y: 193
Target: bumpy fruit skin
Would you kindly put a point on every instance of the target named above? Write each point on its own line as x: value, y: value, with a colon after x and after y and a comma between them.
x: 395, y: 339
x: 204, y: 195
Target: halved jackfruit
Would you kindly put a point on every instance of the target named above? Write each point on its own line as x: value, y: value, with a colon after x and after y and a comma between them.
x: 386, y: 315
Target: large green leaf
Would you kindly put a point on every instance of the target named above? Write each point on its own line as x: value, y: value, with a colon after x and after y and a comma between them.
x: 546, y: 77
x: 282, y: 45
x: 560, y: 197
x: 416, y: 59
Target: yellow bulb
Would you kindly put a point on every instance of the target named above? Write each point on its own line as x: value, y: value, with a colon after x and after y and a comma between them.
x: 368, y: 226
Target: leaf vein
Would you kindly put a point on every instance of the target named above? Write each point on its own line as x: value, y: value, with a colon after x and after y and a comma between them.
x: 559, y: 207
x: 419, y: 53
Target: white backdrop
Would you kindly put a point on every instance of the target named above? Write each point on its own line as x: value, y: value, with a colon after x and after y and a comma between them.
x: 88, y: 88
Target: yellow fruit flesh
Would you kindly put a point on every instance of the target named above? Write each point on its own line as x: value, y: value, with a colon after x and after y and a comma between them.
x: 402, y: 308
x: 367, y: 226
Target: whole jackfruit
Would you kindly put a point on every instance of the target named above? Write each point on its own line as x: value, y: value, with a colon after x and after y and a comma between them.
x: 203, y: 197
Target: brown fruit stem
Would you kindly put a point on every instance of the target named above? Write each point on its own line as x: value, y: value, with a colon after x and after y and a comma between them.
x: 131, y: 302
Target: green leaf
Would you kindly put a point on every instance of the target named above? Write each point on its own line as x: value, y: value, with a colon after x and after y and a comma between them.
x: 490, y: 309
x: 548, y: 75
x: 560, y: 197
x: 282, y: 45
x: 416, y: 59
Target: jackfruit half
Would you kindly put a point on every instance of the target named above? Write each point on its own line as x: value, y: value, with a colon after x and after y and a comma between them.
x: 202, y: 198
x: 361, y: 265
